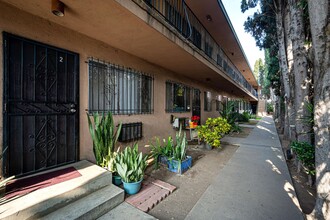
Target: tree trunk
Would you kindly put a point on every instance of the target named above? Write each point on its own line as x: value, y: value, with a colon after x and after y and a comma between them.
x: 301, y: 81
x: 319, y: 13
x: 284, y: 69
x: 289, y: 54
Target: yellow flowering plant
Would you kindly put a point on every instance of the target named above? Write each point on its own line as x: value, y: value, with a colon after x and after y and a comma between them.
x: 213, y: 130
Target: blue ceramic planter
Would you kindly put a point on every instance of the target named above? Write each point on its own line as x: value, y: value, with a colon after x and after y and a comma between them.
x: 173, y: 165
x: 162, y: 159
x: 116, y: 180
x: 132, y: 188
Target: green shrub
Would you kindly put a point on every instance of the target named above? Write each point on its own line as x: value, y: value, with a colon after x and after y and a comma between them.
x: 228, y: 112
x: 244, y: 117
x: 306, y: 154
x: 270, y: 107
x: 213, y: 130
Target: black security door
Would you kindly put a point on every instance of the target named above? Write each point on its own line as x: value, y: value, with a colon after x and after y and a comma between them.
x: 40, y: 106
x: 196, y: 103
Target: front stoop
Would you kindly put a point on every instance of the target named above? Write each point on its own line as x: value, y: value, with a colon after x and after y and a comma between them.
x: 88, y: 197
x: 90, y: 207
x: 126, y: 212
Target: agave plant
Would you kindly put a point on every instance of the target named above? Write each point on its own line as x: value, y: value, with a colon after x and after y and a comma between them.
x: 104, y: 136
x: 5, y: 181
x: 228, y: 112
x: 179, y: 151
x: 157, y: 149
x: 131, y: 164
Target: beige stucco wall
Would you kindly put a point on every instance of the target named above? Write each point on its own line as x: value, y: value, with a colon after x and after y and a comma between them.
x: 20, y: 23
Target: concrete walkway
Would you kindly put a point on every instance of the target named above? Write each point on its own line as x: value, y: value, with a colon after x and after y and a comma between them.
x: 255, y: 184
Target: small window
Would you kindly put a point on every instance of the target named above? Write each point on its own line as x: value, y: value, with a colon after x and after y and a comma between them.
x: 207, y: 101
x: 177, y: 97
x: 119, y: 90
x: 219, y: 104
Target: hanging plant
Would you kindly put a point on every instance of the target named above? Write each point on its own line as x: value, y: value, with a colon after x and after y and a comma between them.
x: 179, y: 91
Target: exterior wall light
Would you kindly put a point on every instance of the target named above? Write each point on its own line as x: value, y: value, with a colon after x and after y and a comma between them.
x: 208, y: 18
x: 58, y: 8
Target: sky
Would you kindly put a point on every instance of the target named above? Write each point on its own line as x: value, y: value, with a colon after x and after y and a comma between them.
x: 237, y: 18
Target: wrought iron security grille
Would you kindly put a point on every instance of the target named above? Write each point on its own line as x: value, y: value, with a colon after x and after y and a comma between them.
x: 41, y: 93
x: 120, y: 90
x: 177, y: 97
x: 130, y: 132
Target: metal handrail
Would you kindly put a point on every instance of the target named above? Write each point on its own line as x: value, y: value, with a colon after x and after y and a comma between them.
x: 175, y: 13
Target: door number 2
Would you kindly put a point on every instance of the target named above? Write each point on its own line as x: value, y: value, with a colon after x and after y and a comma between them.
x: 61, y: 59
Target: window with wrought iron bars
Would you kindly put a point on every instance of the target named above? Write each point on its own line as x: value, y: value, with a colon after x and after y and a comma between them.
x: 120, y: 90
x: 207, y: 101
x: 218, y: 103
x: 177, y: 97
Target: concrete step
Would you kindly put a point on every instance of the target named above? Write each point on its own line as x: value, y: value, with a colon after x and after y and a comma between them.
x: 44, y: 201
x: 90, y: 207
x: 126, y: 212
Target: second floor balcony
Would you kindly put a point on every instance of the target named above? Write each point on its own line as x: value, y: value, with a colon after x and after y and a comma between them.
x: 164, y: 33
x: 183, y: 19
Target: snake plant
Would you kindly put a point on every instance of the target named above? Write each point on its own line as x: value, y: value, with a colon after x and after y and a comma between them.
x: 104, y: 136
x: 5, y: 181
x: 180, y: 149
x: 131, y: 164
x: 158, y: 150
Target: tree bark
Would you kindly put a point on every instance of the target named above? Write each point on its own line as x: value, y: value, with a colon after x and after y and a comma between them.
x: 289, y: 54
x: 300, y: 72
x: 284, y: 68
x: 319, y: 13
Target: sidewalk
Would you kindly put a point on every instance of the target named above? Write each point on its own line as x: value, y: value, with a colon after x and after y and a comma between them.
x: 255, y: 184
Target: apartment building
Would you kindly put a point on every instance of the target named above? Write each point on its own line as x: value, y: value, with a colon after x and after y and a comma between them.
x: 146, y: 61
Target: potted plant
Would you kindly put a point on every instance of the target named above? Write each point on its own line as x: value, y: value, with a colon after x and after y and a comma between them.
x: 105, y: 136
x: 4, y: 181
x: 180, y: 162
x: 160, y: 153
x: 194, y: 121
x: 131, y: 166
x: 213, y: 131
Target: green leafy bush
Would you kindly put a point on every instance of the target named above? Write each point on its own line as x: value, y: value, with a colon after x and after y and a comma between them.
x: 230, y: 114
x: 104, y: 136
x: 213, y: 130
x: 131, y: 164
x: 306, y: 154
x: 244, y: 117
x: 270, y: 107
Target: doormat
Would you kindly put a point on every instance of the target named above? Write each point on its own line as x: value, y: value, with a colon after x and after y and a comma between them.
x: 24, y: 186
x: 152, y: 192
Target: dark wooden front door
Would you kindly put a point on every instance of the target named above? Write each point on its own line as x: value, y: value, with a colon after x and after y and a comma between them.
x: 40, y: 106
x: 196, y: 103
